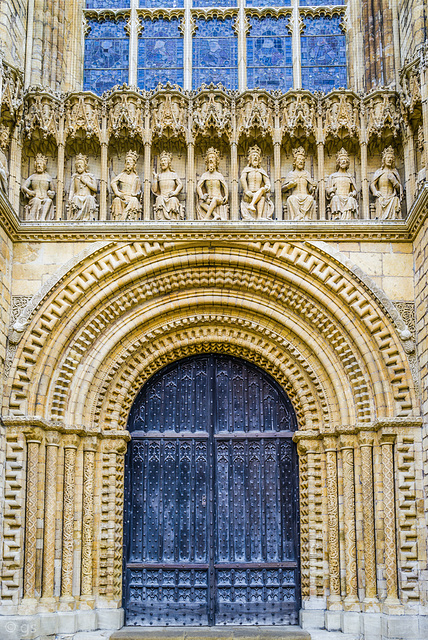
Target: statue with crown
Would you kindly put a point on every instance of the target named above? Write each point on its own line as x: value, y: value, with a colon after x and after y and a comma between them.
x: 127, y: 190
x: 386, y: 188
x: 301, y: 201
x: 82, y: 204
x: 256, y: 203
x: 212, y: 190
x: 341, y: 190
x: 166, y: 185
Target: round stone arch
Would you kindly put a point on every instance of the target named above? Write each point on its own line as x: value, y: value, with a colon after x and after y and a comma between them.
x: 119, y: 315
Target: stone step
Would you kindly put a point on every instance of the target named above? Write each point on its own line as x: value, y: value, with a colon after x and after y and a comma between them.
x: 212, y: 633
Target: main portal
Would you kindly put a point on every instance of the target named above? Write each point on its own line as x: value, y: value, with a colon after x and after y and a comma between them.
x: 211, y: 530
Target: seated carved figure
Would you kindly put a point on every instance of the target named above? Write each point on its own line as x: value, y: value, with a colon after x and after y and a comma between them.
x: 212, y: 190
x: 256, y: 203
x: 166, y: 186
x: 82, y: 203
x: 127, y: 188
x: 301, y: 202
x: 386, y: 188
x: 341, y: 190
x: 3, y: 177
x: 39, y: 190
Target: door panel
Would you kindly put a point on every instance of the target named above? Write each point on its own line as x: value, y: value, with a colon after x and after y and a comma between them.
x: 211, y: 508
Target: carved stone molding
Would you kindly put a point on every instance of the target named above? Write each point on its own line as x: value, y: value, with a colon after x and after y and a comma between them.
x: 83, y: 113
x: 41, y: 114
x: 255, y: 114
x: 211, y: 116
x: 383, y: 114
x: 341, y: 115
x: 298, y: 114
x: 169, y: 115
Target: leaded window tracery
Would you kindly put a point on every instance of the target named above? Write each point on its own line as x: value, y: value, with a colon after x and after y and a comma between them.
x: 238, y: 43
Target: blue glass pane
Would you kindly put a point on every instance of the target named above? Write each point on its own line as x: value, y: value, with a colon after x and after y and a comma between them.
x: 323, y: 51
x: 215, y: 57
x: 318, y: 3
x: 268, y: 3
x: 106, y: 56
x: 107, y: 4
x: 161, y: 3
x: 323, y: 26
x: 269, y: 57
x: 215, y: 3
x: 160, y: 53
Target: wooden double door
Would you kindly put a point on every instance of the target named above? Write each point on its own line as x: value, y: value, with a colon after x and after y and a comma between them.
x: 211, y: 530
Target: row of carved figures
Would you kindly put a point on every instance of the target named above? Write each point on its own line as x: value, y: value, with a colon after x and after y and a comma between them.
x: 212, y: 190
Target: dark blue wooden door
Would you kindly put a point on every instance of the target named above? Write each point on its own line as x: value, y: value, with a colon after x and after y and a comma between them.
x: 211, y: 498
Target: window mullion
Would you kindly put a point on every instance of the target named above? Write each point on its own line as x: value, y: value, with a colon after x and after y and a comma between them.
x: 133, y: 44
x: 297, y: 64
x: 242, y: 47
x: 187, y: 45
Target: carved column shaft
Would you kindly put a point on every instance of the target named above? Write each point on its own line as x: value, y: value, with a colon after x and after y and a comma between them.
x: 333, y: 525
x: 60, y: 181
x: 242, y: 49
x: 68, y: 520
x: 409, y: 165
x: 147, y: 179
x: 368, y: 524
x: 321, y: 184
x: 364, y: 177
x: 234, y: 181
x: 15, y: 168
x: 88, y: 521
x: 277, y: 175
x: 33, y: 444
x: 424, y: 97
x: 311, y: 528
x: 103, y: 181
x: 349, y: 516
x: 389, y: 519
x: 190, y: 196
x: 50, y: 515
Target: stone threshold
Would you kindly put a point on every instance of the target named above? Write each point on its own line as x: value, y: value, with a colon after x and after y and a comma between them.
x: 226, y: 632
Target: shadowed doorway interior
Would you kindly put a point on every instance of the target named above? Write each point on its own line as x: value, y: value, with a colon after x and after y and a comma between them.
x: 211, y: 524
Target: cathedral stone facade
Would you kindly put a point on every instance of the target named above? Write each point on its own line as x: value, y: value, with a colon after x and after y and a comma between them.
x: 181, y: 181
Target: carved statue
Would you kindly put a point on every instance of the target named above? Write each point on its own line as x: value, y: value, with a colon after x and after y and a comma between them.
x: 256, y: 203
x: 301, y: 203
x: 127, y: 188
x: 82, y: 203
x: 386, y: 188
x: 341, y: 190
x: 39, y: 189
x: 4, y: 141
x: 212, y: 190
x: 166, y: 186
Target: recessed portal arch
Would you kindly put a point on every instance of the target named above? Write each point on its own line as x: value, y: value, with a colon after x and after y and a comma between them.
x: 211, y: 517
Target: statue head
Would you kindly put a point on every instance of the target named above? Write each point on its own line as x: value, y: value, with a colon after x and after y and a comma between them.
x: 254, y: 156
x: 131, y: 160
x: 342, y: 159
x: 388, y: 157
x: 81, y: 163
x: 40, y: 163
x: 212, y: 159
x: 165, y: 159
x: 299, y: 158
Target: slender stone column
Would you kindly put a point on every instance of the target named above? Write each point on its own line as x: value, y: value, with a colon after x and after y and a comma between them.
x: 351, y: 600
x: 90, y: 446
x: 60, y: 180
x: 277, y: 167
x: 70, y: 447
x: 15, y: 168
x: 234, y: 209
x: 147, y: 179
x: 387, y: 442
x: 366, y: 446
x: 321, y: 182
x: 334, y: 600
x: 103, y: 182
x: 52, y: 443
x: 409, y: 165
x: 34, y: 438
x: 190, y: 187
x: 364, y: 177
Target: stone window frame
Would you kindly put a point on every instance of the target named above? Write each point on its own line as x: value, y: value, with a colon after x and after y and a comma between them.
x: 187, y: 16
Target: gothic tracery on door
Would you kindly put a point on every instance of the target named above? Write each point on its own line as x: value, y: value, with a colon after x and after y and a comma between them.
x: 211, y: 498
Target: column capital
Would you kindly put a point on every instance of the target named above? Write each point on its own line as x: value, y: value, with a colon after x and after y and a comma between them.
x: 70, y: 441
x: 90, y: 443
x: 115, y: 445
x: 346, y: 442
x: 387, y: 438
x: 33, y: 434
x: 52, y: 438
x: 366, y: 439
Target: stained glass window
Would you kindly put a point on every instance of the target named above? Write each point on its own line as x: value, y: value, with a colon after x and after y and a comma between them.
x: 215, y: 57
x: 269, y: 57
x: 268, y: 3
x: 106, y: 56
x: 323, y: 50
x: 161, y: 3
x: 319, y: 3
x: 160, y: 53
x: 215, y: 3
x: 107, y: 4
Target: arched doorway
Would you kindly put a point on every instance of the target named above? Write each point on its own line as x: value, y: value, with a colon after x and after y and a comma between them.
x: 211, y: 498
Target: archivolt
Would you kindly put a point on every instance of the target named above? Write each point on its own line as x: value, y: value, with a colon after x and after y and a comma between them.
x: 119, y: 315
